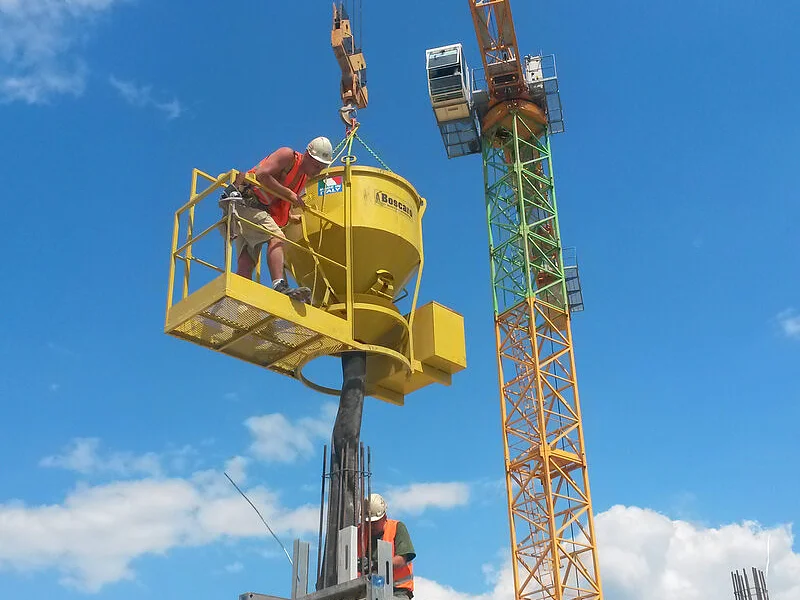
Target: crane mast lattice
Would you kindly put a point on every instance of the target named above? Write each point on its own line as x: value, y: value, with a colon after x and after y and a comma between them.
x: 535, y: 293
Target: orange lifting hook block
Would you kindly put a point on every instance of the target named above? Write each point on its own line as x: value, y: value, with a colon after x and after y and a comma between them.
x: 358, y: 246
x: 352, y: 64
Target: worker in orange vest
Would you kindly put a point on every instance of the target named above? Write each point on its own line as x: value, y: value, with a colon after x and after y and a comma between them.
x: 284, y: 174
x: 396, y: 533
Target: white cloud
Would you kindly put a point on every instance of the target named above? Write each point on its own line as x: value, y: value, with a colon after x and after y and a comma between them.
x: 275, y: 438
x: 38, y: 47
x: 501, y: 587
x: 647, y: 556
x: 236, y: 567
x: 82, y: 455
x: 142, y: 96
x: 415, y: 498
x: 95, y: 533
x: 789, y: 321
x: 179, y: 459
x: 236, y: 468
x: 37, y: 87
x: 58, y: 348
x: 92, y: 537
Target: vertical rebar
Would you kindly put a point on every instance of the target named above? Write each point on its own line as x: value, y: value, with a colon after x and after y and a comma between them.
x: 345, y: 488
x: 353, y: 477
x: 340, y: 494
x: 756, y: 583
x: 322, y: 508
x: 361, y: 483
x: 369, y: 493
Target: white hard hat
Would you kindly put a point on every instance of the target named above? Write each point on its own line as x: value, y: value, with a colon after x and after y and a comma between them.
x: 320, y: 149
x: 376, y: 507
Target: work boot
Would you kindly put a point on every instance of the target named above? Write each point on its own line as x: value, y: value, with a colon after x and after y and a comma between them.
x: 302, y: 294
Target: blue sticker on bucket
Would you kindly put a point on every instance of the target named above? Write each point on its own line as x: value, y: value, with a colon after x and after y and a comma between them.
x: 329, y: 185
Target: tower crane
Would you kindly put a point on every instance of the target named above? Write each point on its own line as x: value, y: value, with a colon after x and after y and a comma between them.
x: 508, y: 118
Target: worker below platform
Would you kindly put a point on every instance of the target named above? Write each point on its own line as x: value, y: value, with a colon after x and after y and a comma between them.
x: 284, y: 173
x: 396, y: 533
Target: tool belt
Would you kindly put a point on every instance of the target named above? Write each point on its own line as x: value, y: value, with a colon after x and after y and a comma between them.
x: 228, y: 203
x: 247, y: 197
x: 250, y: 199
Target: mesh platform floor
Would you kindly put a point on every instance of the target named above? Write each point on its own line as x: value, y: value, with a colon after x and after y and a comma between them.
x: 251, y: 334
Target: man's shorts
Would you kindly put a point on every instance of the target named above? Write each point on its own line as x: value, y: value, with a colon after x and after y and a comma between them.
x: 252, y: 238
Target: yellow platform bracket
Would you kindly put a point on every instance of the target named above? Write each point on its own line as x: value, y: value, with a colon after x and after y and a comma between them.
x: 358, y: 246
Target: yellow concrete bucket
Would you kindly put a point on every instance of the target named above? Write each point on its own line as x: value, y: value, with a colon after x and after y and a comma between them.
x: 385, y: 253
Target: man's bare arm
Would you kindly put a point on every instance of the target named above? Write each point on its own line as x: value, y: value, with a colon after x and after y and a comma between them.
x: 399, y: 560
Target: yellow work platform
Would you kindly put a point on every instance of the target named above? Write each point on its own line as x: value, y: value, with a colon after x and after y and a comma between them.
x: 355, y: 255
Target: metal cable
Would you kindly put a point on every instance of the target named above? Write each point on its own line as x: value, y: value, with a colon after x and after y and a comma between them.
x: 373, y: 153
x: 346, y: 145
x: 263, y: 520
x: 339, y: 147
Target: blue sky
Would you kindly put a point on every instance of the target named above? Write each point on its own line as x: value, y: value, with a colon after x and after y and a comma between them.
x: 676, y: 181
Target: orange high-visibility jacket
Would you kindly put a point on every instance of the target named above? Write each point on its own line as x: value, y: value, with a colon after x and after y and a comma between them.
x: 403, y: 576
x: 278, y: 207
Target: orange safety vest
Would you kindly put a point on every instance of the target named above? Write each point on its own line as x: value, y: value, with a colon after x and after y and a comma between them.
x: 403, y: 576
x: 279, y: 208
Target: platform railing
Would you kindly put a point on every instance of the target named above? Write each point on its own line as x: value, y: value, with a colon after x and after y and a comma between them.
x: 183, y: 251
